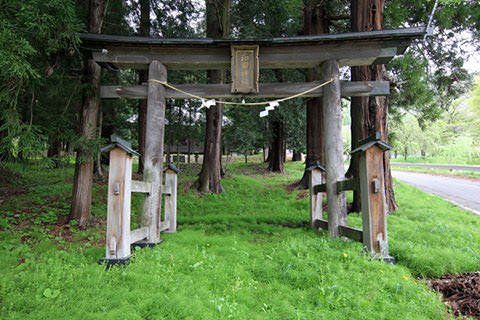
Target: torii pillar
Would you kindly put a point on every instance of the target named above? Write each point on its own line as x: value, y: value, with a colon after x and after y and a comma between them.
x: 152, y: 172
x: 332, y: 119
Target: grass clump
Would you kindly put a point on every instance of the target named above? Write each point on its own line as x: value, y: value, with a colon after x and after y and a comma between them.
x: 231, y: 258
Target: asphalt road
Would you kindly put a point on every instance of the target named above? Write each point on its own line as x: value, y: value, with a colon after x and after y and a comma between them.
x: 462, y: 192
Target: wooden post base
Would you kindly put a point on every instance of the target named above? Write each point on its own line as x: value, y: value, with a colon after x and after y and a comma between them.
x: 386, y: 259
x: 108, y: 263
x: 143, y: 244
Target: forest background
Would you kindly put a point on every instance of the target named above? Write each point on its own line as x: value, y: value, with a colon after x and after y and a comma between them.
x: 433, y: 110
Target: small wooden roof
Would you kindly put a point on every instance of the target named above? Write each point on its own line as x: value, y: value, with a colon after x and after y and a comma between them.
x: 356, y: 48
x: 316, y: 165
x: 120, y: 143
x: 374, y: 140
x: 171, y: 166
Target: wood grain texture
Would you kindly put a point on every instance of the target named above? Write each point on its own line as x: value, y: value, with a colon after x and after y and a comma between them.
x: 374, y: 157
x: 351, y: 233
x: 321, y: 224
x: 141, y: 186
x: 154, y: 151
x: 138, y: 234
x: 118, y: 205
x: 315, y: 197
x: 267, y: 90
x: 332, y: 111
x: 171, y: 201
x: 271, y: 57
x: 365, y: 201
x: 373, y: 203
x: 102, y: 40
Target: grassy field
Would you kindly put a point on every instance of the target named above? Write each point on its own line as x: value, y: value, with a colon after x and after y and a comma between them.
x: 233, y: 256
x: 459, y: 173
x: 439, y: 160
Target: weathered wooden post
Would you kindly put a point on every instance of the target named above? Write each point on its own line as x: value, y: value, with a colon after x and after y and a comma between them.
x: 372, y: 192
x: 152, y: 172
x: 332, y: 110
x: 170, y: 192
x: 316, y: 199
x: 118, y: 204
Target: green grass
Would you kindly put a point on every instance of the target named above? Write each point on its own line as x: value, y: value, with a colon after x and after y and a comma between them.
x: 440, y: 160
x: 460, y: 173
x: 229, y: 258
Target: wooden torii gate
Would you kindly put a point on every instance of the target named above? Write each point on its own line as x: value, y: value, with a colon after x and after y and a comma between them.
x: 327, y: 52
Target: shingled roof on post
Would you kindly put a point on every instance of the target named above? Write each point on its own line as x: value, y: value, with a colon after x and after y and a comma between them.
x: 171, y: 166
x: 122, y: 144
x: 367, y: 143
x: 316, y: 165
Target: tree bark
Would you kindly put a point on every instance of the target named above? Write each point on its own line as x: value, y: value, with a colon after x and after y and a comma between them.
x: 97, y: 167
x: 369, y: 114
x: 297, y: 156
x: 82, y: 185
x: 218, y: 26
x: 276, y: 151
x: 314, y: 22
x: 143, y: 77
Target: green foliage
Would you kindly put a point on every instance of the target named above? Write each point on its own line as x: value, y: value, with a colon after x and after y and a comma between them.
x: 246, y: 133
x: 450, y: 139
x: 254, y: 19
x: 33, y: 34
x: 231, y: 258
x: 474, y: 104
x: 432, y: 75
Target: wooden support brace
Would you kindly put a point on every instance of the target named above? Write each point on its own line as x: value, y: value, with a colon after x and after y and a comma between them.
x: 320, y: 188
x: 171, y: 200
x: 351, y: 233
x: 138, y: 234
x: 345, y: 231
x: 316, y: 199
x: 141, y: 186
x: 166, y: 189
x: 346, y: 185
x: 320, y: 224
x: 342, y: 185
x: 164, y: 226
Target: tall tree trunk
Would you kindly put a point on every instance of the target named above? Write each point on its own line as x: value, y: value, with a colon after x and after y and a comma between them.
x: 297, y: 156
x: 218, y: 26
x: 54, y: 151
x: 277, y: 151
x: 369, y: 114
x: 98, y: 160
x: 82, y: 185
x: 143, y: 77
x: 314, y: 22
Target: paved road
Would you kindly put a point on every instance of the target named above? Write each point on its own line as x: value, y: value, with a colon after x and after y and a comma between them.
x: 462, y: 192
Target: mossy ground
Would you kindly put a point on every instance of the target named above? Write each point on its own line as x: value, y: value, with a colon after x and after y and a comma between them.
x: 231, y: 256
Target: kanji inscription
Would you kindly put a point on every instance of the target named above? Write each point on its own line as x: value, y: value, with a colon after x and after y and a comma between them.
x: 244, y: 69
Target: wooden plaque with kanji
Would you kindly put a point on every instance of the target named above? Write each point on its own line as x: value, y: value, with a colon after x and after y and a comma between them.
x: 245, y: 69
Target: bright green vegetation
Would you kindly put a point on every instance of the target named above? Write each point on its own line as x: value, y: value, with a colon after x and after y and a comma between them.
x: 437, y: 160
x: 231, y: 258
x: 461, y: 173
